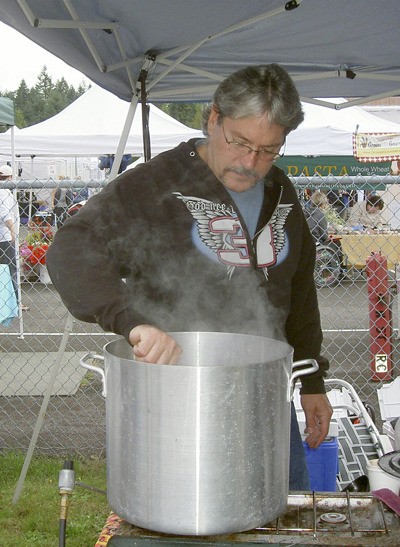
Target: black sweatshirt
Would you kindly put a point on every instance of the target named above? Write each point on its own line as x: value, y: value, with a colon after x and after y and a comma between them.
x: 163, y: 244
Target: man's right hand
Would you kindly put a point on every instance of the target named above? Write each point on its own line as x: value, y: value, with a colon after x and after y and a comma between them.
x: 152, y: 345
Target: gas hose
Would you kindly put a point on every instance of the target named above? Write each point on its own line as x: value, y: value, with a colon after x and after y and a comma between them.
x: 66, y: 483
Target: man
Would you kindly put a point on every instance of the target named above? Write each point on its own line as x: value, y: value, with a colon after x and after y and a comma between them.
x: 316, y: 219
x: 9, y: 228
x: 209, y: 236
x: 61, y: 199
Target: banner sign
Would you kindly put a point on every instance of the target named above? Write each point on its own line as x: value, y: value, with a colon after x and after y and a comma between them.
x: 337, y: 166
x: 376, y: 147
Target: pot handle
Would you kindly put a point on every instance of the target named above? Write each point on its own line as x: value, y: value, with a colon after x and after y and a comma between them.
x: 307, y: 367
x: 99, y: 370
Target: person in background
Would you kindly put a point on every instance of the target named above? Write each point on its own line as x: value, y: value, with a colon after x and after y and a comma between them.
x: 346, y: 199
x: 367, y: 214
x: 61, y: 199
x: 339, y: 201
x: 208, y: 236
x: 79, y: 195
x: 323, y: 220
x: 44, y: 199
x: 106, y: 162
x: 316, y: 219
x: 9, y: 228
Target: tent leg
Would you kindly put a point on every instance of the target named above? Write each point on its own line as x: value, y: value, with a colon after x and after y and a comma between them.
x: 42, y: 412
x: 30, y: 205
x: 145, y: 116
x: 124, y: 137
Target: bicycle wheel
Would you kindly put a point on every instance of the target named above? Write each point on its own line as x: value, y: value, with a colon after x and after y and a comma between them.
x: 327, y: 269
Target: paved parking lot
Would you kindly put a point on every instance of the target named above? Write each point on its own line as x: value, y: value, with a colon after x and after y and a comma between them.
x: 75, y: 423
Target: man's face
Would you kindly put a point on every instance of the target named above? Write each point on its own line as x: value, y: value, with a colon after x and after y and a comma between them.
x: 237, y: 167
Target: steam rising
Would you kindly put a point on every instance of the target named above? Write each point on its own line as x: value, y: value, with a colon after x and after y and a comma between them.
x: 170, y: 283
x: 190, y: 295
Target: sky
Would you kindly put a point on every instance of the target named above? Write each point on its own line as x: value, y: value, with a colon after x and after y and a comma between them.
x: 25, y: 60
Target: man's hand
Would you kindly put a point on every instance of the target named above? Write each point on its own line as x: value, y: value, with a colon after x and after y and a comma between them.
x: 318, y: 411
x: 152, y: 345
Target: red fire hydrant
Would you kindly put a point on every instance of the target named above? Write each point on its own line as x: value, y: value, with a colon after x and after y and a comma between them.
x: 380, y: 317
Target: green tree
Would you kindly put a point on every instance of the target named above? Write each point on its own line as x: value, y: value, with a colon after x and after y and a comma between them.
x: 44, y: 84
x: 21, y: 96
x: 21, y: 99
x: 55, y: 103
x: 34, y: 108
x: 19, y: 118
x: 44, y: 100
x: 60, y: 96
x: 189, y: 114
x: 63, y: 88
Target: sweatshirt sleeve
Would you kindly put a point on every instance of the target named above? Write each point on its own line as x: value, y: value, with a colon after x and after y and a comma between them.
x: 303, y: 325
x: 84, y: 269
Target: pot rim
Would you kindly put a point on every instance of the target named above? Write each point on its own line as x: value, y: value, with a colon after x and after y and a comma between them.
x: 282, y: 350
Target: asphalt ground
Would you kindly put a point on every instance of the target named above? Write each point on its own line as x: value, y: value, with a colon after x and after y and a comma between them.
x: 76, y: 424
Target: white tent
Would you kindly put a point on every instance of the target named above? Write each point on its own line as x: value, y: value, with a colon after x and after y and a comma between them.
x: 325, y: 142
x: 388, y: 112
x: 329, y: 132
x: 181, y: 50
x: 92, y: 125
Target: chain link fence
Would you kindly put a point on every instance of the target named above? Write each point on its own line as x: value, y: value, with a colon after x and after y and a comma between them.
x: 43, y: 338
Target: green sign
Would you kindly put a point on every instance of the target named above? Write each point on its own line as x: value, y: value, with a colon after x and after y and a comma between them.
x: 337, y: 166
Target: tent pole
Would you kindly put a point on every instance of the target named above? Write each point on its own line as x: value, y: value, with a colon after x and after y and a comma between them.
x: 145, y: 116
x: 13, y: 150
x: 124, y: 138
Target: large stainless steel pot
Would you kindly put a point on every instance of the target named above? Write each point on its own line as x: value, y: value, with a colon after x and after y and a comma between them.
x: 202, y: 447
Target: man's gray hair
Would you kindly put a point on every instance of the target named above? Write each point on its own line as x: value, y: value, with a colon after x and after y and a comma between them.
x: 255, y: 91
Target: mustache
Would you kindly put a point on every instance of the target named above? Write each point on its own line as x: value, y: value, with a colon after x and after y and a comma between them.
x: 243, y: 171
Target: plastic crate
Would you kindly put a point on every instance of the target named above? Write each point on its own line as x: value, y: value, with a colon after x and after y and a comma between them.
x: 389, y: 400
x: 323, y: 465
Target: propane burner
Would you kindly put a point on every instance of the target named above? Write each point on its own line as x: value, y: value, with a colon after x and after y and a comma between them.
x: 333, y: 518
x: 390, y: 463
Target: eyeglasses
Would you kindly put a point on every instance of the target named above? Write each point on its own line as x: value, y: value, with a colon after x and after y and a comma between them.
x: 240, y: 149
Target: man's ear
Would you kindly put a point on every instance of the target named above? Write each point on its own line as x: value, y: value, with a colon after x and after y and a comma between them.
x: 212, y: 120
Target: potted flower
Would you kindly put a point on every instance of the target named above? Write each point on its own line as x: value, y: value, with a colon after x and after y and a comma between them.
x: 33, y: 251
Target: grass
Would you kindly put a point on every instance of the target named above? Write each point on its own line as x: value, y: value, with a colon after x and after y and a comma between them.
x: 34, y: 519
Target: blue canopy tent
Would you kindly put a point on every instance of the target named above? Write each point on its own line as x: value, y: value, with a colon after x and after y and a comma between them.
x: 180, y: 50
